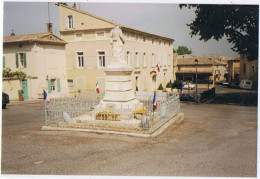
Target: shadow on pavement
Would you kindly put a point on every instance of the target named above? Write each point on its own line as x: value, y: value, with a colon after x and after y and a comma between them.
x: 239, y: 98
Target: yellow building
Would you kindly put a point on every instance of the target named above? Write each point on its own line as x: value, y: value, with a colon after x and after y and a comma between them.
x: 234, y: 71
x: 186, y: 68
x: 89, y: 51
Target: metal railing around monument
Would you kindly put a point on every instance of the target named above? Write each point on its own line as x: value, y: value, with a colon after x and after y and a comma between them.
x: 82, y: 110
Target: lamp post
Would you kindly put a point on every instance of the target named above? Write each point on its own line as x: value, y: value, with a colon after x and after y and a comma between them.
x: 196, y: 96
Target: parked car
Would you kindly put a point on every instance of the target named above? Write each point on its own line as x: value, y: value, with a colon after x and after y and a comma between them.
x: 246, y: 84
x: 187, y: 97
x: 187, y: 85
x: 224, y: 83
x: 5, y: 100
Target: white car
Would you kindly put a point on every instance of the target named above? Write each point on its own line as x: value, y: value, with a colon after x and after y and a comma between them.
x: 246, y: 84
x: 187, y: 85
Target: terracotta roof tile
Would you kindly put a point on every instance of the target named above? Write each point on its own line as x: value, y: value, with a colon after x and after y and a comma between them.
x: 190, y: 61
x: 41, y: 37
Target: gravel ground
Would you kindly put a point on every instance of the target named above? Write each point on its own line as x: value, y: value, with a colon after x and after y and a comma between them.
x: 215, y: 140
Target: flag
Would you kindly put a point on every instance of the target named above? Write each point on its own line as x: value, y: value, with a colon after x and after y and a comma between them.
x: 97, y: 88
x: 154, y: 102
x: 152, y: 72
x: 46, y: 97
x: 181, y: 92
x: 158, y: 67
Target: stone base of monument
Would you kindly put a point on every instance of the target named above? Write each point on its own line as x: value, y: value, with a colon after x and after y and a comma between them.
x: 119, y: 95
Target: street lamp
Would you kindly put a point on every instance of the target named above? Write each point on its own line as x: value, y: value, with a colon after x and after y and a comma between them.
x: 196, y: 97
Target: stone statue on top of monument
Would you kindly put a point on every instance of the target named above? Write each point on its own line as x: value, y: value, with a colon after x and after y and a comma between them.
x: 117, y: 41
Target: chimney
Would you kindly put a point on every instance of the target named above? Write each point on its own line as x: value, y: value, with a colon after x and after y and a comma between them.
x: 12, y: 33
x: 49, y: 27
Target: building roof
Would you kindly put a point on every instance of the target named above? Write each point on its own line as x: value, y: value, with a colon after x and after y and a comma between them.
x: 190, y: 61
x: 47, y: 38
x: 113, y: 23
x: 219, y: 63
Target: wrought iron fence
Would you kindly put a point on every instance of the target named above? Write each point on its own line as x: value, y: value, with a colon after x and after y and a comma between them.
x: 82, y: 113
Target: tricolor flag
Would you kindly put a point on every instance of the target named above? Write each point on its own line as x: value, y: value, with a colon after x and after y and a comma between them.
x: 181, y: 92
x: 46, y: 97
x: 158, y: 67
x: 154, y: 102
x: 97, y: 88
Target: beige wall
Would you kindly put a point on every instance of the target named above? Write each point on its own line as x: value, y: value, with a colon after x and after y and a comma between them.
x: 90, y: 43
x: 221, y: 70
x: 81, y: 20
x: 251, y: 70
x: 42, y: 61
x: 11, y: 87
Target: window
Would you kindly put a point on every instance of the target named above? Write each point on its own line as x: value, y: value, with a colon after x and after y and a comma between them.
x: 164, y: 60
x: 144, y: 60
x: 3, y: 61
x: 152, y: 41
x: 137, y: 60
x: 160, y: 42
x: 253, y: 70
x: 101, y: 59
x: 169, y: 44
x: 53, y: 84
x: 70, y: 22
x: 80, y: 58
x: 169, y: 60
x: 144, y: 39
x: 128, y: 59
x: 100, y: 34
x: 70, y: 85
x: 153, y: 60
x: 244, y: 68
x: 20, y: 60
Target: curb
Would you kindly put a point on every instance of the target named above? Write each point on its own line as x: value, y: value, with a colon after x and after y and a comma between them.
x: 24, y: 102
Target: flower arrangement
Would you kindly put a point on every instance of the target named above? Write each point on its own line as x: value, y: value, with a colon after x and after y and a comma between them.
x: 108, y: 116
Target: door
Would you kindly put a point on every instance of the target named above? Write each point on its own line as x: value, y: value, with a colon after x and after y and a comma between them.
x: 25, y: 89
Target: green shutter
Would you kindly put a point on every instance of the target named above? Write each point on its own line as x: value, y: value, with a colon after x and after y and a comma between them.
x: 58, y: 84
x: 49, y: 85
x: 3, y: 61
x: 24, y: 59
x: 17, y: 61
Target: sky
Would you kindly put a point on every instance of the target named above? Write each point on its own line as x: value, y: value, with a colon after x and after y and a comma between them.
x: 165, y: 19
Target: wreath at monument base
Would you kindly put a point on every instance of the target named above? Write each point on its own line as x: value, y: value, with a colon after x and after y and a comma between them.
x: 108, y: 116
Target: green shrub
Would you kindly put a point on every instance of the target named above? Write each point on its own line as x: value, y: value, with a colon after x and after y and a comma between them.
x: 160, y: 87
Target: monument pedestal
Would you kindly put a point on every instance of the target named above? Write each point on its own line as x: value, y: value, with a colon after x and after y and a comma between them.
x: 119, y: 93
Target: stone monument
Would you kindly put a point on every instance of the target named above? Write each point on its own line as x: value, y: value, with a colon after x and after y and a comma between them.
x: 119, y: 91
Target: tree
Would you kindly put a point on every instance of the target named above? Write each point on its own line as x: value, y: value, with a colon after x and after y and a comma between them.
x: 182, y: 50
x: 239, y: 23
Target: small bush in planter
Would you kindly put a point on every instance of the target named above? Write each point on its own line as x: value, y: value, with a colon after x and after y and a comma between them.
x: 160, y: 87
x: 176, y: 84
x: 169, y: 85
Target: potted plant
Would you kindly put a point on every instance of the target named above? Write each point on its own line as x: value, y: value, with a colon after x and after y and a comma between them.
x: 160, y: 88
x: 20, y: 94
x: 175, y: 85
